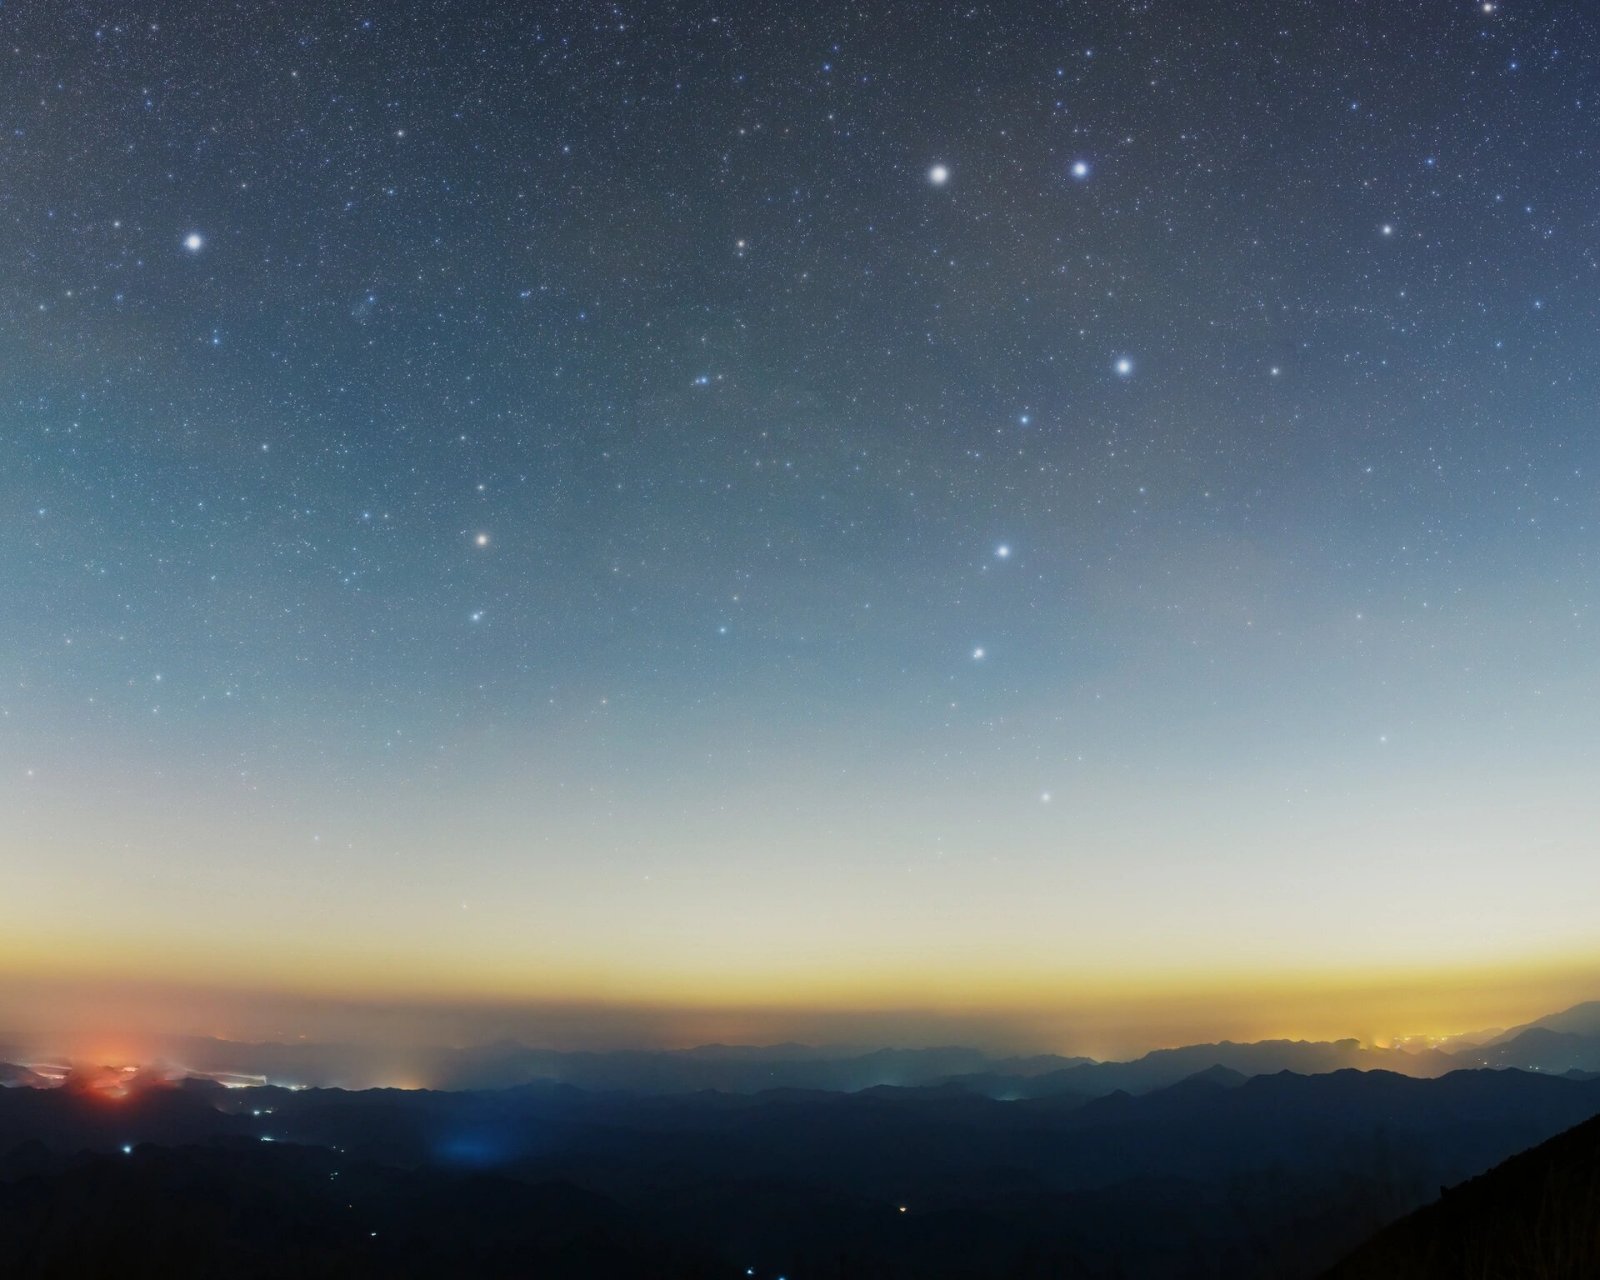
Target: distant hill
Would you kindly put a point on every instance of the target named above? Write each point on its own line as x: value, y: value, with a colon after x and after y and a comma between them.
x: 1539, y: 1049
x: 506, y: 1064
x: 1537, y: 1215
x: 753, y: 1069
x: 1214, y: 1077
x: 1556, y: 1044
x: 1581, y: 1019
x: 1165, y: 1067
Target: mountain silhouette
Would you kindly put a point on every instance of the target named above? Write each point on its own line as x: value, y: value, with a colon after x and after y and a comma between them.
x: 1540, y: 1049
x: 1581, y: 1019
x: 1559, y: 1042
x: 1274, y: 1176
x: 1535, y: 1215
x: 1252, y: 1161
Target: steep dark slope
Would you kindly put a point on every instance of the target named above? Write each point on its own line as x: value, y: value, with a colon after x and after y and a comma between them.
x: 1534, y: 1217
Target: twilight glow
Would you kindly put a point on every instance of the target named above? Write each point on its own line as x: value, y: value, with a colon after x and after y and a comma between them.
x: 686, y: 527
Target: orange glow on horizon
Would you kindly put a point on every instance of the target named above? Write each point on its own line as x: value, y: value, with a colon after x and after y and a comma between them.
x: 118, y: 1021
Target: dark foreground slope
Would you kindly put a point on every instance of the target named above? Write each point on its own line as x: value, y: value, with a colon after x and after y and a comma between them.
x: 1535, y: 1217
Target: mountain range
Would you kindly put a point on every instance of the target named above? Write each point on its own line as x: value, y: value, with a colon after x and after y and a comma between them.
x: 1274, y: 1159
x: 1275, y: 1175
x: 1560, y: 1043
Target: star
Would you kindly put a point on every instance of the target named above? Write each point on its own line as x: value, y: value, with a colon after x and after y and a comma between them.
x: 1002, y: 552
x: 480, y: 540
x: 1388, y: 229
x: 1124, y: 367
x: 1080, y: 169
x: 977, y: 654
x: 939, y: 175
x: 194, y: 242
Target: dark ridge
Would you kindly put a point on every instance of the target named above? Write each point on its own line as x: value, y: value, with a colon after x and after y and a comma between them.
x: 1536, y: 1216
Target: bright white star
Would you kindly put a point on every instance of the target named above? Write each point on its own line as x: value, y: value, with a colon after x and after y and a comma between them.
x: 1003, y: 552
x: 194, y: 242
x: 939, y: 175
x: 1080, y: 169
x: 1124, y: 367
x: 977, y: 654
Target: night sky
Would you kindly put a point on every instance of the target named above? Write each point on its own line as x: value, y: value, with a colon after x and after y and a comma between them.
x: 1062, y: 512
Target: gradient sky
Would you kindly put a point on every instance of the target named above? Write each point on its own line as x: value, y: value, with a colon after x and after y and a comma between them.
x: 1041, y: 516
